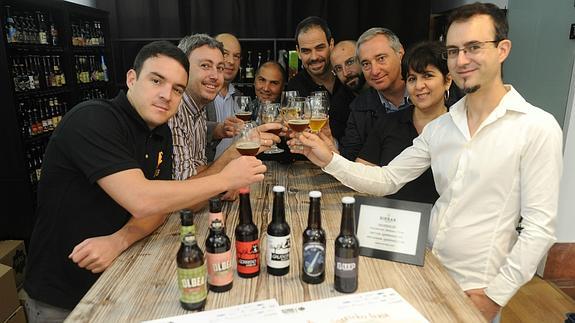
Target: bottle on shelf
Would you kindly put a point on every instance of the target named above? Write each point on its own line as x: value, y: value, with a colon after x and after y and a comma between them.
x: 259, y: 61
x: 10, y: 26
x: 249, y: 69
x: 191, y: 267
x: 53, y: 32
x: 219, y: 258
x: 104, y: 69
x: 42, y: 29
x: 269, y: 55
x: 313, y: 262
x: 247, y: 239
x: 346, y: 250
x: 278, y: 246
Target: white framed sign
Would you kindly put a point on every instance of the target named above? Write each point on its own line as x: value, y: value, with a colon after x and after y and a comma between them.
x: 391, y: 229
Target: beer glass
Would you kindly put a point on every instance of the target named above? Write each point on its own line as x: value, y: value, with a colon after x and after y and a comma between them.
x: 286, y: 95
x: 324, y: 95
x: 296, y: 116
x: 242, y: 108
x: 317, y: 108
x: 270, y: 113
x: 248, y: 143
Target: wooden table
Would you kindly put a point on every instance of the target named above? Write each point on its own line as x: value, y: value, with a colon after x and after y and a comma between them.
x: 141, y: 284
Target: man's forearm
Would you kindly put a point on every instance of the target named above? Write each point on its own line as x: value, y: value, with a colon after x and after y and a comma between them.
x: 137, y: 229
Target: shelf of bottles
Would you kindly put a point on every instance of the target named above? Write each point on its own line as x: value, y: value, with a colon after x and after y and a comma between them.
x: 89, y: 59
x: 255, y: 52
x: 36, y: 67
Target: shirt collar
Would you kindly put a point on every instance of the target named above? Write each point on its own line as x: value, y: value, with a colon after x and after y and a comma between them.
x: 121, y: 101
x: 190, y: 105
x: 390, y: 107
x: 231, y: 92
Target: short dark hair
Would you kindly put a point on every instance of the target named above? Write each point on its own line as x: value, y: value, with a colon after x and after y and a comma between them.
x: 498, y: 16
x: 311, y: 22
x: 422, y: 55
x: 157, y: 48
x: 276, y: 65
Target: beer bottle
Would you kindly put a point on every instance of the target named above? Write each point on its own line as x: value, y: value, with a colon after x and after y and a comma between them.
x: 219, y: 257
x: 313, y: 270
x: 192, y: 271
x: 278, y: 246
x: 346, y: 250
x: 215, y: 211
x: 247, y: 239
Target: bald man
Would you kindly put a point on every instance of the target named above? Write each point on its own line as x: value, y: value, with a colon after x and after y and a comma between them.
x: 347, y: 69
x: 221, y: 110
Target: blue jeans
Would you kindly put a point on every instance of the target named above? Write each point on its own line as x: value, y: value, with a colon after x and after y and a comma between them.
x: 40, y: 312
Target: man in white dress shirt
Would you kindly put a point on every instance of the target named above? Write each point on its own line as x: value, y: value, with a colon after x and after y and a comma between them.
x: 495, y: 159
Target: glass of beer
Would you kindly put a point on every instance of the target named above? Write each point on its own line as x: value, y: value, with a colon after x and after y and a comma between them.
x: 286, y: 96
x: 243, y: 108
x: 248, y: 143
x: 270, y: 113
x: 296, y: 115
x: 317, y: 108
x: 324, y: 95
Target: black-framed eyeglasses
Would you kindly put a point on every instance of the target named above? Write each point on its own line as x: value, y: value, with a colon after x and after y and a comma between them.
x: 348, y: 63
x: 452, y: 52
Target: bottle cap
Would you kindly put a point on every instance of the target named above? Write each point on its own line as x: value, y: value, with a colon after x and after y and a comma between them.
x: 215, y: 205
x: 244, y: 190
x: 315, y: 194
x: 347, y: 200
x: 279, y: 189
x: 186, y: 216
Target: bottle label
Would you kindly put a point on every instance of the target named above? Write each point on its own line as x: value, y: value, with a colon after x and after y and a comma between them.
x: 192, y: 284
x: 220, y: 268
x: 278, y: 251
x: 248, y: 256
x: 346, y: 267
x: 185, y: 230
x: 313, y: 259
x: 214, y: 216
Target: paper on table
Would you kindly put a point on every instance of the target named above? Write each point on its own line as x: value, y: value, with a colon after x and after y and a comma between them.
x: 263, y: 311
x: 385, y: 306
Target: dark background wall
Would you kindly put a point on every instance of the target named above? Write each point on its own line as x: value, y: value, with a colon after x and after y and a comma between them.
x: 136, y: 22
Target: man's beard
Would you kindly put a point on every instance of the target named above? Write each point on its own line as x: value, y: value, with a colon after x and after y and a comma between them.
x: 471, y: 89
x: 359, y: 84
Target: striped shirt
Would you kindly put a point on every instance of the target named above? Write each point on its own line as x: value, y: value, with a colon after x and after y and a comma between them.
x: 189, y: 131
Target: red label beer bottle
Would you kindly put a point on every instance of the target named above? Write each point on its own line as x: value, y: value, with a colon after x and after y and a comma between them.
x: 247, y: 239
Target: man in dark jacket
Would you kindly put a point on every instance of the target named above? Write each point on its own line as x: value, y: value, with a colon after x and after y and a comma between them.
x: 379, y: 53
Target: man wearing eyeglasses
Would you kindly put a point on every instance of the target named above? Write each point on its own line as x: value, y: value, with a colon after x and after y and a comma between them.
x: 495, y: 159
x: 347, y: 69
x: 379, y: 52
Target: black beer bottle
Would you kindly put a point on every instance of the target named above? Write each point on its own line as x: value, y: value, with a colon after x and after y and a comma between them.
x: 247, y: 239
x: 346, y: 250
x: 192, y: 271
x: 219, y: 258
x: 313, y: 270
x: 278, y: 246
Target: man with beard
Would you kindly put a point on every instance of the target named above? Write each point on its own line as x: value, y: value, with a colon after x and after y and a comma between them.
x: 189, y: 128
x: 348, y: 71
x: 314, y: 44
x: 379, y: 52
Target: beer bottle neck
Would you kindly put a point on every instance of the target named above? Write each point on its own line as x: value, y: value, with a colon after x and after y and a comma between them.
x: 278, y: 213
x: 245, y: 209
x: 347, y: 220
x: 314, y: 215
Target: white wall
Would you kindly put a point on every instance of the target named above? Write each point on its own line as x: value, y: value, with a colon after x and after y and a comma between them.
x: 566, y: 214
x: 89, y: 3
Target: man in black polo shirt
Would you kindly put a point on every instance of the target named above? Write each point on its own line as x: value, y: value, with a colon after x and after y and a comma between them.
x: 104, y: 182
x: 314, y: 44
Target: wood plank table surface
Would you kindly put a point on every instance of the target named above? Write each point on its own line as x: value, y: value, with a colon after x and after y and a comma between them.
x: 141, y: 284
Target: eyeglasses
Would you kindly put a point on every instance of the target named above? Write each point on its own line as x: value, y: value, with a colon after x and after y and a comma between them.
x: 348, y: 63
x: 469, y: 49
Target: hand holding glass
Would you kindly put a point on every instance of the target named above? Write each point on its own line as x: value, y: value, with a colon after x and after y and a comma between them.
x: 270, y: 113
